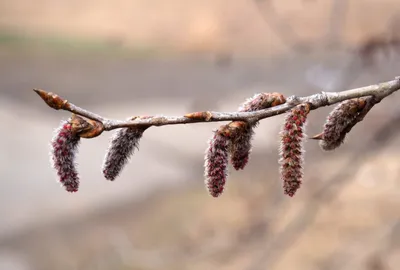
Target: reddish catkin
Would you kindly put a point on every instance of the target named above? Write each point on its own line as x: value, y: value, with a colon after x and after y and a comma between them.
x: 216, y: 162
x: 262, y: 101
x: 240, y: 145
x: 121, y: 148
x: 240, y: 140
x: 64, y: 147
x: 337, y: 124
x: 292, y: 148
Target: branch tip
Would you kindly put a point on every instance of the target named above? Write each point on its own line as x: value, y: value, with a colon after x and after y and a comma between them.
x: 52, y: 100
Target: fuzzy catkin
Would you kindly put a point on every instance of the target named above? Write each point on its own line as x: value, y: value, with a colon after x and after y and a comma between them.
x: 337, y: 123
x: 292, y: 148
x: 216, y: 162
x: 64, y: 147
x: 262, y: 101
x: 121, y: 148
x: 240, y: 140
x: 240, y: 146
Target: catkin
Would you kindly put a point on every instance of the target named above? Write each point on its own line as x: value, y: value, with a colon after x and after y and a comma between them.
x: 292, y: 148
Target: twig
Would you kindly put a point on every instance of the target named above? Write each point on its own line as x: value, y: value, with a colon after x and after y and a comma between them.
x: 316, y: 101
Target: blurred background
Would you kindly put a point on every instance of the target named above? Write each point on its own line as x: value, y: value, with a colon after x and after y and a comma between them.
x: 143, y: 57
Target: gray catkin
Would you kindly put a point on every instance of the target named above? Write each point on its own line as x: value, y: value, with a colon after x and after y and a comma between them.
x: 335, y: 127
x: 121, y: 148
x: 216, y: 162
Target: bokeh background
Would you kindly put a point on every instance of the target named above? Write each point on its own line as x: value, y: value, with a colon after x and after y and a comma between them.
x: 140, y: 57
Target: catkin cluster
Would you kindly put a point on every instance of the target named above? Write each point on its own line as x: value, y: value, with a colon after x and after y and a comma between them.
x: 232, y: 142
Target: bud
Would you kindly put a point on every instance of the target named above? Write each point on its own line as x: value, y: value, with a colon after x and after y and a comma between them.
x: 121, y: 148
x: 291, y: 148
x: 64, y: 147
x: 199, y: 116
x: 53, y: 100
x: 85, y: 128
x: 216, y: 162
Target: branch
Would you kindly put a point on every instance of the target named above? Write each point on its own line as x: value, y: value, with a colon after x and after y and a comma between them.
x: 316, y: 101
x: 231, y: 143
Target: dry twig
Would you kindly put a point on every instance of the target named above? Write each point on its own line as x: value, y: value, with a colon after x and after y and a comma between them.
x: 322, y: 99
x: 265, y: 105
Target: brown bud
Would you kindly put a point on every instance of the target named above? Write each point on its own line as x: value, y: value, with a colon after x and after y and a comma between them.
x: 233, y: 128
x: 199, y: 116
x: 52, y: 100
x: 86, y: 128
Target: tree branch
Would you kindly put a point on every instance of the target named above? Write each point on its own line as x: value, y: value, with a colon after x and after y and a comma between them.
x: 316, y: 101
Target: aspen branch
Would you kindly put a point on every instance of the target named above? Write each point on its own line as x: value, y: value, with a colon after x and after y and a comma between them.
x: 231, y: 143
x: 379, y: 91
